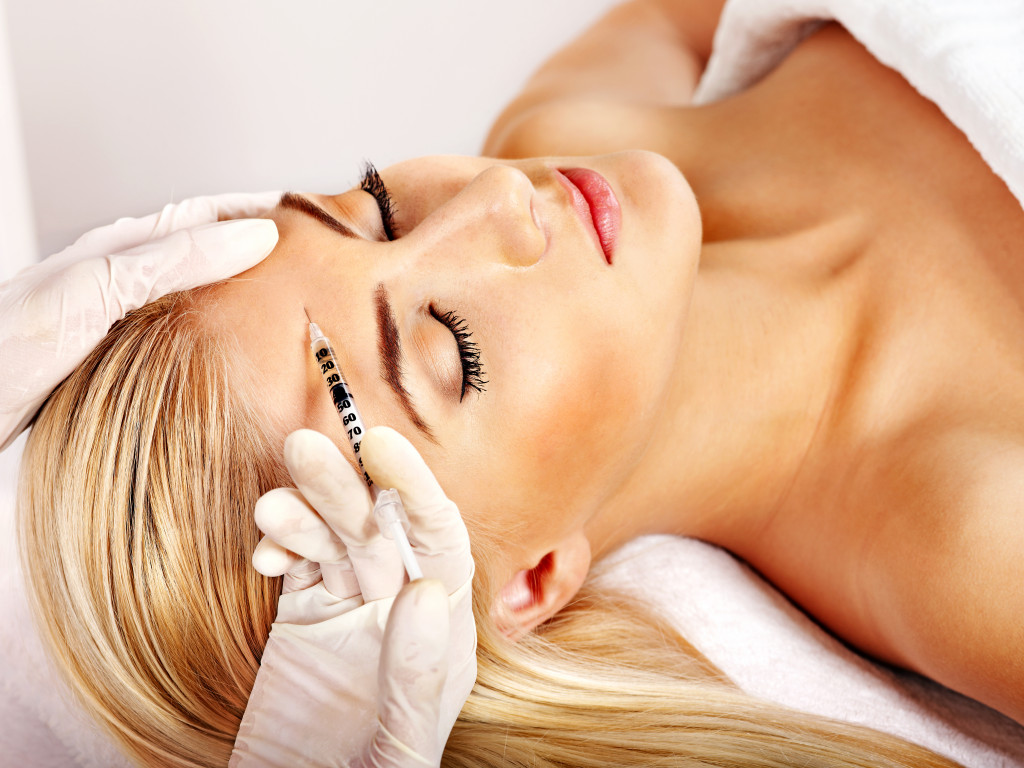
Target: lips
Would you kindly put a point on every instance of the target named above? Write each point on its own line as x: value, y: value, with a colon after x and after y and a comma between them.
x: 594, y: 200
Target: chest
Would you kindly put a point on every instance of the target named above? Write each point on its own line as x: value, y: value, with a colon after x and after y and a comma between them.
x: 831, y: 131
x: 933, y: 249
x: 835, y: 170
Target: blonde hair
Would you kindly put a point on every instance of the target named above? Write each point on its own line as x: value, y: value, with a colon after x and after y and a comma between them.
x: 137, y: 490
x: 136, y: 498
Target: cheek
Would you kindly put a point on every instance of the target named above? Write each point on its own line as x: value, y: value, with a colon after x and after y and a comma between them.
x: 576, y: 422
x: 539, y: 465
x: 564, y: 422
x: 573, y: 438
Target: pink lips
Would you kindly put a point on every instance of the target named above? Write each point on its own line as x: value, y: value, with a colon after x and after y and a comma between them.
x: 594, y: 200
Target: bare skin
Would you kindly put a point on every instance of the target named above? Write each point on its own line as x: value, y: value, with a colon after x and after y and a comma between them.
x: 853, y: 419
x: 836, y: 394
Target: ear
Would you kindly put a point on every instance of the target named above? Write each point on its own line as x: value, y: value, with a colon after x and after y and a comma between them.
x: 534, y: 595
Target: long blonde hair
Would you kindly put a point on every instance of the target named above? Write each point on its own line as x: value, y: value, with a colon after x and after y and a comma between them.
x: 137, y: 490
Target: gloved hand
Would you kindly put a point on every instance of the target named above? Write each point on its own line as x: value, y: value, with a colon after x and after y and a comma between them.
x: 342, y: 682
x: 53, y: 313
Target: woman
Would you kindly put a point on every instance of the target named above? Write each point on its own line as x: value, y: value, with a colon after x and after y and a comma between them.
x: 817, y: 397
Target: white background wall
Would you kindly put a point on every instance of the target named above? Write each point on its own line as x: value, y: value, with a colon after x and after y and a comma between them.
x: 128, y: 104
x: 17, y: 235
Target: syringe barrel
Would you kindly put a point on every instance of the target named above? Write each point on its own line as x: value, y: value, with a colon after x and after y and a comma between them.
x: 388, y: 509
x: 344, y: 403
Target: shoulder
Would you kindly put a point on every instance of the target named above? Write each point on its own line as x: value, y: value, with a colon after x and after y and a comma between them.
x: 642, y: 53
x: 946, y: 572
x: 587, y: 126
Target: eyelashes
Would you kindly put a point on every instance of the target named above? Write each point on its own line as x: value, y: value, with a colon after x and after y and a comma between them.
x: 469, y: 352
x: 372, y: 183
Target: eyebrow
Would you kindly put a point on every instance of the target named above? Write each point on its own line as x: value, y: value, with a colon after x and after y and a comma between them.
x: 301, y: 204
x: 390, y: 347
x: 388, y: 343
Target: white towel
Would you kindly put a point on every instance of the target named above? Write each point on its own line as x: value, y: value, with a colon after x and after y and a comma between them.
x: 967, y: 56
x: 773, y: 651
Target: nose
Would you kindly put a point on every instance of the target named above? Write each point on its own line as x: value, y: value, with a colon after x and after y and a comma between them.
x: 495, y: 213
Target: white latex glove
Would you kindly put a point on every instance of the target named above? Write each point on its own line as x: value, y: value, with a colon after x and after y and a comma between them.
x: 340, y: 682
x: 53, y: 313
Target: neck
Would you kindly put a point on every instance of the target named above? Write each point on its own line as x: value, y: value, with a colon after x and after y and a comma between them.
x: 765, y: 353
x: 763, y: 358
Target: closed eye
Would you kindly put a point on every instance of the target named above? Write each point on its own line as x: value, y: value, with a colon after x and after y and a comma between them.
x: 372, y: 183
x: 469, y: 351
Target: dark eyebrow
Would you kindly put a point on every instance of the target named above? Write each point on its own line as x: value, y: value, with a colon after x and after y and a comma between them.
x: 301, y: 204
x: 388, y: 342
x: 391, y: 359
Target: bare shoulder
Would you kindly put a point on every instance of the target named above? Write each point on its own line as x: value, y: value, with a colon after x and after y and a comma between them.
x: 642, y: 53
x: 946, y: 573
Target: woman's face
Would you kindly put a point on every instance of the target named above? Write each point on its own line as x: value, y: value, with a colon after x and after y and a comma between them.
x: 539, y: 419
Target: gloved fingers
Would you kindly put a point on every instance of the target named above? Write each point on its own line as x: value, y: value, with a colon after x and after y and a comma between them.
x: 329, y: 484
x: 340, y: 496
x: 340, y: 579
x: 271, y: 559
x: 285, y: 516
x: 62, y: 312
x: 52, y: 314
x: 129, y: 232
x: 185, y: 259
x: 305, y: 574
x: 412, y: 673
x: 437, y: 532
x: 378, y: 566
x: 245, y: 205
x: 298, y: 536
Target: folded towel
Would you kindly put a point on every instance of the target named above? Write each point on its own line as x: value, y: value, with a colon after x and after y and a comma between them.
x: 773, y: 651
x: 967, y: 56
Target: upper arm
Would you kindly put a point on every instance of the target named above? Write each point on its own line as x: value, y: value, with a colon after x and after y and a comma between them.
x: 644, y: 52
x: 952, y: 601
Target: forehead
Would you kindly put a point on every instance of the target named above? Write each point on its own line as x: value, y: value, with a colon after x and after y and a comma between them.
x: 263, y: 311
x: 262, y: 317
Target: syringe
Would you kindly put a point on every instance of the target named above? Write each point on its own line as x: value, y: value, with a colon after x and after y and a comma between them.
x: 387, y: 504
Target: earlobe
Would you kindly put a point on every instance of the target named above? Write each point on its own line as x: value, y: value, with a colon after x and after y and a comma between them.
x: 534, y: 595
